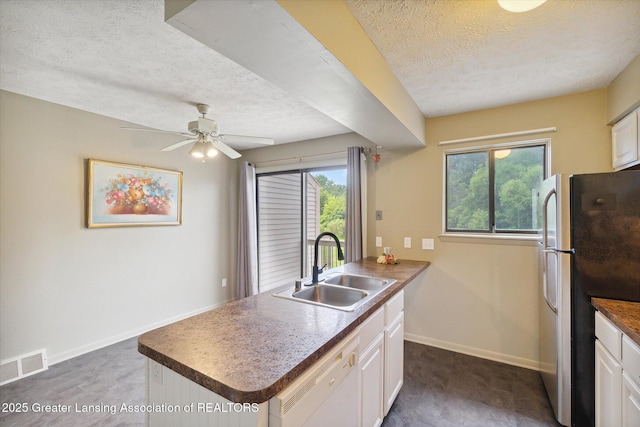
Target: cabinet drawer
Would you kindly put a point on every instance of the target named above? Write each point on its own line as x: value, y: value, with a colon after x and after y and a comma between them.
x: 371, y: 328
x: 631, y: 358
x: 609, y: 335
x: 393, y: 308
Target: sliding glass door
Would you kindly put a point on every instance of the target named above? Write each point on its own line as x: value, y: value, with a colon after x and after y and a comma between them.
x: 293, y: 208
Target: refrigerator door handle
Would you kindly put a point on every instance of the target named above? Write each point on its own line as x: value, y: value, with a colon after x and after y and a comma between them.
x: 571, y: 251
x: 545, y: 246
x: 546, y: 250
x: 545, y: 229
x: 544, y: 288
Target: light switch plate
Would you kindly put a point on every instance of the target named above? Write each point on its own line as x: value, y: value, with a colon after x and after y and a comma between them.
x: 407, y: 242
x: 378, y: 242
x: 427, y: 244
x: 378, y: 215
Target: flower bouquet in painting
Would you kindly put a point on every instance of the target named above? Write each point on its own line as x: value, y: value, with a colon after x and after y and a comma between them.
x: 121, y: 195
x: 138, y: 194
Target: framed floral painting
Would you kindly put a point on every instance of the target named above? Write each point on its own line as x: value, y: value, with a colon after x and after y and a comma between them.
x: 121, y: 195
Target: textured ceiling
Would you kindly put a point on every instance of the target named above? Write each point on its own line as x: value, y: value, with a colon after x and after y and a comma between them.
x: 120, y: 59
x: 462, y: 55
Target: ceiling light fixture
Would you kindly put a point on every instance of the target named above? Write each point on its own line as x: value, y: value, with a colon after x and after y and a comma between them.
x: 202, y: 148
x: 501, y: 154
x: 520, y: 5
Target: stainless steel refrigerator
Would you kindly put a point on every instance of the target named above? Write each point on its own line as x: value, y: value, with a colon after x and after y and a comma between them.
x: 589, y: 246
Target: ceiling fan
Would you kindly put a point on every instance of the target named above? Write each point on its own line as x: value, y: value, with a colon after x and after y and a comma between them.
x: 204, y: 133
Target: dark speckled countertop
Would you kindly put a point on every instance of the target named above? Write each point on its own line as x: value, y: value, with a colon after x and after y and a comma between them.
x: 251, y: 349
x: 624, y: 314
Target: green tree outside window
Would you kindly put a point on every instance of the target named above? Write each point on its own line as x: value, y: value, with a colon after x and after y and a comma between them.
x: 493, y: 189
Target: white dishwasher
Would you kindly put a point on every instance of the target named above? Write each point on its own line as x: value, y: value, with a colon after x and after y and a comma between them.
x: 317, y: 398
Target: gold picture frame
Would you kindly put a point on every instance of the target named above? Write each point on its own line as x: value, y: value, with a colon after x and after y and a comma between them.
x: 124, y: 195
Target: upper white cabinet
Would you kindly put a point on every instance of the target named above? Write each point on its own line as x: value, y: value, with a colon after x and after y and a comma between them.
x: 625, y: 141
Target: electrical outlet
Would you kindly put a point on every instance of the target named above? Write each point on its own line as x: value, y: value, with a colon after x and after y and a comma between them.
x: 156, y: 372
x: 224, y: 282
x: 378, y: 242
x: 407, y: 242
x: 427, y: 244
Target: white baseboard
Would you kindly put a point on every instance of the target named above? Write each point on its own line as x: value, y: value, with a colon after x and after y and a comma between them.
x: 78, y: 351
x: 473, y: 351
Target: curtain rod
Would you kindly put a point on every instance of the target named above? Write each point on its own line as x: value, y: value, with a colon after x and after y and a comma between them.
x: 499, y: 135
x: 301, y: 158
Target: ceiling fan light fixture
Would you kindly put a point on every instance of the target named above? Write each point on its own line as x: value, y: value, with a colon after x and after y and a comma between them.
x: 209, y: 150
x: 203, y: 148
x: 208, y: 140
x: 198, y: 149
x: 518, y: 6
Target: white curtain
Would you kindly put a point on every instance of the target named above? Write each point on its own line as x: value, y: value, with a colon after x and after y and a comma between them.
x: 353, y: 250
x: 247, y: 274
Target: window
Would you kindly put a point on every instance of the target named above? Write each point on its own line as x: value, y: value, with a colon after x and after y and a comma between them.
x: 293, y: 208
x: 492, y: 189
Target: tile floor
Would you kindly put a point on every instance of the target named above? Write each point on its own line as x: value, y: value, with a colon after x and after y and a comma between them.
x: 441, y: 389
x: 107, y: 377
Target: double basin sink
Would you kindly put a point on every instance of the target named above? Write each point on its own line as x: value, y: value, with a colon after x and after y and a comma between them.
x: 340, y: 291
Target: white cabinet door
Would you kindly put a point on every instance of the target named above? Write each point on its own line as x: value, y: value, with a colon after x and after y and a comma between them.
x: 608, y: 386
x: 394, y: 360
x: 372, y: 383
x: 624, y: 142
x: 630, y: 402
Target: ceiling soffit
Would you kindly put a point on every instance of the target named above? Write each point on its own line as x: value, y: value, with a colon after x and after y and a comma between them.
x: 262, y: 37
x: 120, y: 59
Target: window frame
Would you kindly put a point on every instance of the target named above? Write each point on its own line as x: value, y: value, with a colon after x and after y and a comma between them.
x: 492, y: 232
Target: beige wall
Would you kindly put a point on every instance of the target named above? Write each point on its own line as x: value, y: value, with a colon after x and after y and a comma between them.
x: 623, y: 94
x: 70, y: 289
x: 478, y: 297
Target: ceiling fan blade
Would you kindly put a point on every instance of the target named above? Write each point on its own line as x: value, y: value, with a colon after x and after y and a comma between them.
x: 247, y: 139
x: 188, y: 135
x: 178, y: 144
x: 228, y: 151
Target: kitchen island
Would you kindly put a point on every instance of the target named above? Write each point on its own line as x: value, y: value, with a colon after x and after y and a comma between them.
x: 249, y: 350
